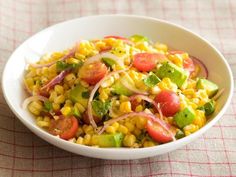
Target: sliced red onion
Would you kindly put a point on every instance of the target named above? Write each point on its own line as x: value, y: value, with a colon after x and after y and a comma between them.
x: 219, y: 93
x: 69, y: 55
x: 146, y: 98
x: 28, y: 100
x: 203, y: 68
x: 151, y: 117
x: 55, y: 80
x: 132, y: 88
x: 90, y: 115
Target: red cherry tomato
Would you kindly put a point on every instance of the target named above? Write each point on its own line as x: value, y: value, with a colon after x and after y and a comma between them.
x: 93, y: 72
x: 188, y: 65
x: 157, y: 132
x: 169, y: 102
x: 86, y: 118
x: 65, y: 127
x: 146, y: 61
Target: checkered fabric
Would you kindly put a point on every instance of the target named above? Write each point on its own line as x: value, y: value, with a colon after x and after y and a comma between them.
x: 22, y: 154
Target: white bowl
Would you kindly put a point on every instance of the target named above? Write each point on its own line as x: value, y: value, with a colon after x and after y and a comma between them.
x: 65, y: 34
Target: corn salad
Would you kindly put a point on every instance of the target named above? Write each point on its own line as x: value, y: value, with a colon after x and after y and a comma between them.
x: 119, y: 92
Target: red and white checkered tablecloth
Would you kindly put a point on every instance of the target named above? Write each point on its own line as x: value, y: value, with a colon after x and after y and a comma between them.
x: 22, y: 154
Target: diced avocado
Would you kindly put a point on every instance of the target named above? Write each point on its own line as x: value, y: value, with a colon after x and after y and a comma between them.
x: 184, y: 117
x: 76, y: 95
x: 209, y: 86
x: 209, y: 108
x: 76, y: 112
x: 120, y: 89
x: 138, y: 38
x: 179, y: 134
x: 109, y: 62
x: 151, y: 80
x: 175, y: 73
x: 108, y: 140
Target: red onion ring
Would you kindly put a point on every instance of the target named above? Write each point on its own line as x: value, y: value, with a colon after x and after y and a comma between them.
x: 33, y: 98
x: 203, y: 71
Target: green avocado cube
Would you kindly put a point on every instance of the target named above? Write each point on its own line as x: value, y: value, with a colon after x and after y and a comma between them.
x: 175, y: 73
x: 209, y: 108
x: 109, y: 140
x: 210, y: 87
x: 184, y: 117
x: 120, y: 89
x: 76, y: 95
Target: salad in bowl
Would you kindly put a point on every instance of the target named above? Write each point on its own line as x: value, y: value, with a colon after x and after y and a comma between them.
x: 120, y: 92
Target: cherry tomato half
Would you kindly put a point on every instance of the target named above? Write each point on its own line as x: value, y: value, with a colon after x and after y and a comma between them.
x: 93, y: 72
x: 157, y: 132
x: 65, y: 127
x: 188, y: 65
x: 169, y: 102
x: 147, y: 61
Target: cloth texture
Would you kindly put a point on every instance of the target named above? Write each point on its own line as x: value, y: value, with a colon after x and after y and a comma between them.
x: 23, y: 154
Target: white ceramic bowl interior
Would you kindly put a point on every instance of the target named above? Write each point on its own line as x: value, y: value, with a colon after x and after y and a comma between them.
x: 64, y: 35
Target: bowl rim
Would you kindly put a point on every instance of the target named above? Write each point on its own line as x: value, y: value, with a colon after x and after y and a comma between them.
x: 122, y: 151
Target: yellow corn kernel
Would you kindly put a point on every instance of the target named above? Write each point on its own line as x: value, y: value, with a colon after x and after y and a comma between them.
x: 148, y: 144
x: 115, y: 125
x: 125, y: 107
x: 123, y: 129
x: 129, y: 140
x: 141, y: 122
x: 142, y: 46
x: 66, y: 110
x: 100, y: 45
x: 103, y: 96
x: 39, y: 118
x: 130, y: 126
x: 139, y: 108
x: 137, y: 132
x: 88, y: 129
x: 80, y: 107
x: 72, y: 61
x: 124, y: 98
x: 68, y: 103
x: 56, y: 106
x: 161, y: 47
x: 110, y: 129
x: 53, y: 95
x: 147, y: 111
x: 200, y: 119
x: 29, y: 82
x: 57, y: 55
x: 60, y: 99
x: 35, y: 107
x: 80, y: 140
x: 70, y: 77
x: 189, y: 92
x: 176, y: 59
x: 190, y: 129
x: 43, y: 123
x: 79, y: 56
x: 87, y: 139
x: 59, y: 89
x: 46, y: 119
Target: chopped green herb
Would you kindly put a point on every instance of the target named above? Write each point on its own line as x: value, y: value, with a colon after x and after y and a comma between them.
x: 85, y: 94
x: 61, y: 65
x: 47, y: 105
x: 151, y: 80
x: 100, y: 108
